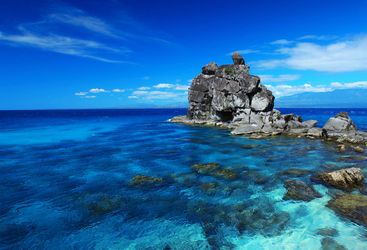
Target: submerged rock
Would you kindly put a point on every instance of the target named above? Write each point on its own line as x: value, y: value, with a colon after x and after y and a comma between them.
x: 350, y: 206
x: 346, y: 179
x: 205, y: 168
x: 226, y: 174
x: 330, y: 244
x: 143, y: 180
x: 297, y: 172
x: 298, y: 190
x: 328, y: 232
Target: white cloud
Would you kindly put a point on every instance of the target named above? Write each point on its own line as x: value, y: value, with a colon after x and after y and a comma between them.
x: 171, y: 86
x: 281, y: 42
x: 81, y: 93
x: 79, y: 18
x: 344, y: 56
x: 182, y: 87
x: 317, y: 37
x: 118, y: 90
x: 163, y: 86
x: 89, y: 97
x: 97, y: 90
x: 244, y: 51
x: 60, y: 44
x: 287, y: 90
x: 132, y: 97
x: 143, y: 88
x: 279, y: 78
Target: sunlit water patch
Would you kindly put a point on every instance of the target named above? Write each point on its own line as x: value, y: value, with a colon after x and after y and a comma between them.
x: 132, y: 180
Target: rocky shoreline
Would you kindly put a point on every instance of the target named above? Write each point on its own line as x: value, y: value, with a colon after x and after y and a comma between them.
x: 229, y: 97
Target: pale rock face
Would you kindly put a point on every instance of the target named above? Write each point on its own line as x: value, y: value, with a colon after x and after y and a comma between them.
x: 263, y: 100
x: 340, y: 123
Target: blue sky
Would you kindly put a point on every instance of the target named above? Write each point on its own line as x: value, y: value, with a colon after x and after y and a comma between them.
x: 118, y: 54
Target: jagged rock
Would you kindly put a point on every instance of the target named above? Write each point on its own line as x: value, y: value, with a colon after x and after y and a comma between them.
x: 237, y: 59
x: 350, y: 206
x: 209, y: 69
x: 219, y: 92
x: 345, y: 179
x: 298, y: 190
x: 340, y: 123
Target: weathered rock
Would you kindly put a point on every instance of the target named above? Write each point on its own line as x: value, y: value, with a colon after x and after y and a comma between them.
x: 328, y: 243
x: 340, y: 123
x: 219, y: 92
x: 244, y: 129
x: 316, y: 132
x: 345, y: 179
x: 298, y: 190
x: 350, y: 206
x: 309, y: 123
x: 210, y: 68
x: 237, y: 59
x: 263, y: 100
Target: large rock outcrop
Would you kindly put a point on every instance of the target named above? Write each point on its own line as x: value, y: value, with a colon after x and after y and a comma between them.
x: 228, y: 92
x: 229, y: 96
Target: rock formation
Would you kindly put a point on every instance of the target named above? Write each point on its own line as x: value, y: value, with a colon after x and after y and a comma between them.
x: 229, y: 96
x: 298, y: 190
x: 345, y: 179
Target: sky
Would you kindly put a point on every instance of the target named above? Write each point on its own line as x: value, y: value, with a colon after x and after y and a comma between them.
x: 139, y: 54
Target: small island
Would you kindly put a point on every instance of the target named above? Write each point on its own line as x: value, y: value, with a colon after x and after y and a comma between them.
x: 228, y: 96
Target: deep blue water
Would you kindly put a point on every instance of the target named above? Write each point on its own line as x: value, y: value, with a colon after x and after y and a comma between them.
x: 65, y: 183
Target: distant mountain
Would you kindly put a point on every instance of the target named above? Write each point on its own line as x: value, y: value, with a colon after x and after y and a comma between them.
x: 343, y: 98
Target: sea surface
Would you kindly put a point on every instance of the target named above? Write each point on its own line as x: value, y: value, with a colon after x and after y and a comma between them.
x: 66, y: 182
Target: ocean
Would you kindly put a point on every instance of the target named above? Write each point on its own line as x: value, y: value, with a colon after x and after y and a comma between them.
x: 67, y: 182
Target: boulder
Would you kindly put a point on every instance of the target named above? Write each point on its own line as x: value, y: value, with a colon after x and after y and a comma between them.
x: 300, y: 191
x: 309, y: 124
x: 346, y: 179
x: 340, y: 123
x: 263, y: 100
x: 237, y: 59
x: 350, y: 206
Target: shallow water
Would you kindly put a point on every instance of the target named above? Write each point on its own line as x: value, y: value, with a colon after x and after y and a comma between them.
x: 66, y: 184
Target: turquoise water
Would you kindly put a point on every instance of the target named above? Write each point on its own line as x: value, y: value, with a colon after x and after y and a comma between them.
x: 66, y: 184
